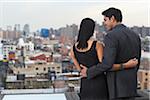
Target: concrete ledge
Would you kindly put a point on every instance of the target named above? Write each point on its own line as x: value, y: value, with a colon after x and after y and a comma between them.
x: 72, y: 96
x: 142, y: 95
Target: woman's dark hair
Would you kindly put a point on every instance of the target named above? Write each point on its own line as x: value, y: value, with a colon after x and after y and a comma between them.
x: 113, y: 12
x: 86, y: 30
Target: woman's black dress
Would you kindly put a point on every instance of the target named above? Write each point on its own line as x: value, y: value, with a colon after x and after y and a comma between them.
x: 96, y: 88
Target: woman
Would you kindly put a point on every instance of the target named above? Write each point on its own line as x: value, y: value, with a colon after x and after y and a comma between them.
x: 89, y: 52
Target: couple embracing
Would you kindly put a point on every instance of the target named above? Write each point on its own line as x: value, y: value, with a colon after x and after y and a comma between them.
x: 108, y: 69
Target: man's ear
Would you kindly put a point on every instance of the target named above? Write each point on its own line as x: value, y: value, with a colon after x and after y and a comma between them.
x: 112, y: 19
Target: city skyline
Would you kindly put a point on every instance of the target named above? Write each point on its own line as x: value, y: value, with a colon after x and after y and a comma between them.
x: 56, y: 14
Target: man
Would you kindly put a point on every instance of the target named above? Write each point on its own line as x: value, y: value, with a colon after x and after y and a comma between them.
x: 121, y: 44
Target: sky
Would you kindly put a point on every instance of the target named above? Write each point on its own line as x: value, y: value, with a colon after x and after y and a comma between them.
x: 58, y: 13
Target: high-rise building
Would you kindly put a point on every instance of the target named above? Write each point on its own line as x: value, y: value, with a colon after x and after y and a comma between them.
x: 17, y: 27
x: 1, y: 50
x: 9, y: 28
x: 26, y: 30
x: 51, y: 31
x: 17, y: 35
x: 68, y: 33
x: 71, y: 30
x: 44, y: 32
x: 8, y: 48
x: 8, y: 33
x: 11, y: 35
x: 99, y: 32
x: 1, y: 33
x: 146, y: 43
x: 143, y: 31
x: 136, y: 29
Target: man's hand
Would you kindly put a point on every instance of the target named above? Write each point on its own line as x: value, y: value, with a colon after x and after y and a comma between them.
x: 131, y: 63
x: 83, y: 71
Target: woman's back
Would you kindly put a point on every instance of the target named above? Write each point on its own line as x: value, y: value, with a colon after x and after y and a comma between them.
x: 88, y: 57
x: 96, y: 88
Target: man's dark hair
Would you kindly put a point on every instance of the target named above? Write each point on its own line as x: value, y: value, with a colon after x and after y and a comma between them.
x: 113, y: 12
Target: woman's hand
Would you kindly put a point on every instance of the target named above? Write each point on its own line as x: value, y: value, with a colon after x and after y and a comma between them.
x: 131, y: 63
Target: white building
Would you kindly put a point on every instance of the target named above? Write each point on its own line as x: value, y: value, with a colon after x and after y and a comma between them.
x: 8, y: 48
x: 1, y: 33
x: 37, y: 69
x: 28, y: 46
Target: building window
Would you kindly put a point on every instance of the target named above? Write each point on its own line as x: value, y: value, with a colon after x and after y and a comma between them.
x: 37, y: 68
x: 146, y: 79
x: 58, y: 72
x: 49, y: 68
x: 58, y: 68
x: 146, y: 74
x: 44, y: 69
x: 53, y: 67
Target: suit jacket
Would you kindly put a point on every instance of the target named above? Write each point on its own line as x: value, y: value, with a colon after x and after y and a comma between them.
x: 121, y: 45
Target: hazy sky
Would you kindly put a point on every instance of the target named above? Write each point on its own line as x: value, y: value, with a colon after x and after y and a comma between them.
x: 58, y: 13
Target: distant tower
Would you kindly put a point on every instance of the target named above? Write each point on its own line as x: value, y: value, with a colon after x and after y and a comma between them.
x: 37, y: 33
x: 26, y: 30
x: 9, y: 28
x: 17, y: 27
x: 1, y: 33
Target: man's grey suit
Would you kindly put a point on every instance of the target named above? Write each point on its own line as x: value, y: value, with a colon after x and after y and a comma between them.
x: 121, y: 45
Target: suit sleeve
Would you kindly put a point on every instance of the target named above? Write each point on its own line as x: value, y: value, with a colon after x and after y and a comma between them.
x: 108, y: 59
x: 139, y: 56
